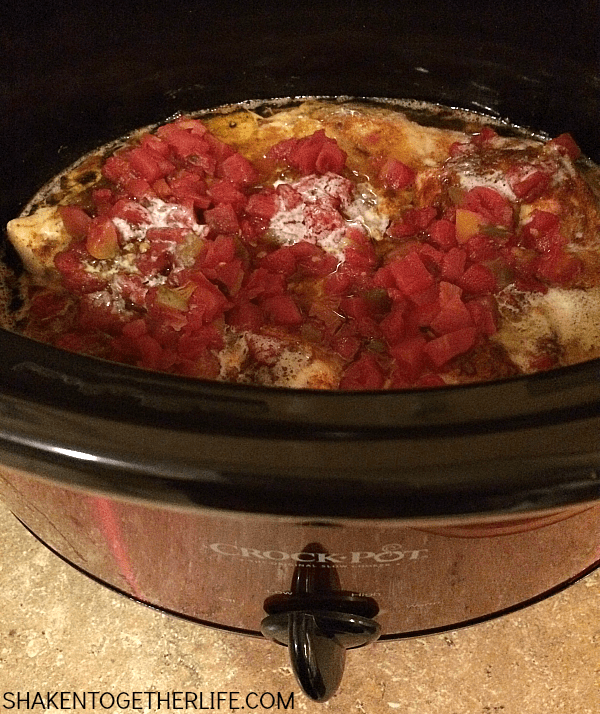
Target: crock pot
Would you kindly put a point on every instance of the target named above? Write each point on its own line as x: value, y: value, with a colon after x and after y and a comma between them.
x: 320, y: 520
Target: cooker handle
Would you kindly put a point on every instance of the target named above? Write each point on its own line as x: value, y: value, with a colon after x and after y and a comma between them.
x: 318, y: 640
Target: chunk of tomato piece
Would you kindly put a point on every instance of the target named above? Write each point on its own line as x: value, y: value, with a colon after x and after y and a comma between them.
x: 246, y: 316
x: 483, y: 315
x: 411, y: 275
x: 364, y: 374
x: 529, y: 184
x: 282, y: 310
x: 237, y: 169
x: 330, y: 159
x: 75, y: 220
x: 70, y: 264
x: 396, y: 175
x: 442, y: 233
x: 566, y: 144
x: 222, y: 219
x: 477, y: 280
x: 490, y: 204
x: 453, y: 264
x: 147, y: 166
x: 558, y: 267
x: 442, y: 349
x: 409, y: 355
x: 102, y: 239
x: 453, y: 316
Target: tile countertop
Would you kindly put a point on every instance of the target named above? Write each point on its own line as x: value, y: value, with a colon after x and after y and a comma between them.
x: 60, y: 631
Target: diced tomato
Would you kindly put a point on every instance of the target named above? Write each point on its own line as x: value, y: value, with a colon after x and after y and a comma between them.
x: 326, y: 312
x: 246, y: 316
x: 459, y: 148
x: 384, y: 278
x: 453, y: 264
x: 138, y: 188
x: 131, y: 288
x: 558, y: 267
x: 312, y: 154
x: 262, y: 282
x: 230, y: 275
x: 420, y: 218
x: 238, y: 170
x: 75, y: 278
x: 338, y: 283
x: 225, y: 191
x: 222, y: 219
x: 103, y: 199
x: 483, y: 136
x: 219, y: 149
x: 282, y: 310
x: 128, y: 210
x: 330, y: 158
x: 400, y: 229
x: 542, y: 232
x: 411, y: 275
x: 481, y: 248
x: 396, y: 175
x: 281, y: 151
x: 432, y: 258
x: 356, y: 307
x: 442, y: 349
x: 102, y: 239
x: 483, y: 315
x: 206, y: 303
x: 442, y: 233
x: 453, y: 315
x: 156, y: 145
x: 282, y: 260
x: 364, y: 374
x: 393, y: 325
x: 566, y: 144
x: 97, y: 316
x: 194, y: 126
x: 346, y: 342
x: 47, y: 304
x: 147, y: 166
x: 477, y: 280
x: 419, y: 317
x: 75, y: 220
x: 193, y: 343
x: 118, y: 170
x: 184, y: 143
x: 220, y: 250
x: 409, y: 355
x: 490, y: 204
x: 448, y: 292
x: 528, y: 183
x: 263, y: 205
x: 157, y: 260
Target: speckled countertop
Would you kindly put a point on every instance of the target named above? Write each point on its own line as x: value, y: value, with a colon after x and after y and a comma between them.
x: 60, y: 631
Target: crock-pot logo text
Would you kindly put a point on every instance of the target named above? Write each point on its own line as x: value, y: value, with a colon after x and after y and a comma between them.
x: 391, y: 553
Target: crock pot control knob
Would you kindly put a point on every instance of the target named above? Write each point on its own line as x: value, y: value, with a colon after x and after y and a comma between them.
x: 318, y: 640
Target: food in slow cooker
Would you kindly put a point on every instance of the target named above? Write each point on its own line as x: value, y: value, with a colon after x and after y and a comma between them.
x: 326, y: 245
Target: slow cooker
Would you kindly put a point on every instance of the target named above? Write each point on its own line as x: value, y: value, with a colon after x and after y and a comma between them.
x: 320, y: 520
